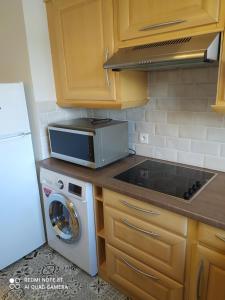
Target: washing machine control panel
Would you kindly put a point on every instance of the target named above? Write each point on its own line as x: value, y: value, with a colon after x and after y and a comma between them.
x: 60, y: 184
x: 75, y: 189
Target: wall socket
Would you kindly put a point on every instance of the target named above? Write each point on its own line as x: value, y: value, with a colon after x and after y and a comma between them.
x: 143, y: 138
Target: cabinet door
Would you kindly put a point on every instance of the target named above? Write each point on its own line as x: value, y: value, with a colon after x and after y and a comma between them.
x: 154, y: 246
x: 140, y: 281
x: 81, y: 33
x: 208, y: 275
x: 139, y: 18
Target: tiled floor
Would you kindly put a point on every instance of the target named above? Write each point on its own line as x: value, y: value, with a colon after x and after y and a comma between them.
x: 43, y: 265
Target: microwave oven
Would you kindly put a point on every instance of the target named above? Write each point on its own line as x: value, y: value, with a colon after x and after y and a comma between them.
x: 89, y: 142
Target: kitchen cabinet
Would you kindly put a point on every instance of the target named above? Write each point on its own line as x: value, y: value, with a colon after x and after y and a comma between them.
x: 145, y: 248
x: 150, y: 244
x: 141, y: 18
x: 151, y: 253
x: 208, y: 264
x: 220, y: 98
x: 208, y: 275
x: 82, y: 38
x: 142, y: 281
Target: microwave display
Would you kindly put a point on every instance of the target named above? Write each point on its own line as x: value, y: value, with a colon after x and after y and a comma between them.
x: 72, y: 144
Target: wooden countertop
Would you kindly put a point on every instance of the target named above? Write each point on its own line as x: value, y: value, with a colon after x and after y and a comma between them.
x: 207, y: 207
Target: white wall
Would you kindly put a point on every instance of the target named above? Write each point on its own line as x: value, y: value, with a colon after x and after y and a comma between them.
x: 14, y: 59
x: 38, y: 45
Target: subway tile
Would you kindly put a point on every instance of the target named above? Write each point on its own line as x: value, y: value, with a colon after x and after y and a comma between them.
x: 193, y: 132
x: 222, y: 149
x: 179, y: 117
x: 131, y: 127
x: 215, y: 163
x: 209, y: 119
x: 158, y: 89
x: 213, y: 74
x: 133, y: 137
x: 46, y: 106
x: 191, y: 158
x: 144, y: 150
x: 192, y: 104
x: 181, y: 90
x: 135, y: 114
x: 155, y: 116
x: 166, y: 129
x: 166, y: 104
x: 216, y: 134
x: 205, y: 90
x: 205, y: 147
x: 178, y: 143
x: 145, y: 127
x: 165, y: 153
x: 117, y: 114
x: 157, y: 140
x: 45, y: 149
x: 101, y: 113
x: 56, y: 116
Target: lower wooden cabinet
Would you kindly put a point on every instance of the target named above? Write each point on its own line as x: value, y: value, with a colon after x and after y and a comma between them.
x: 207, y: 274
x: 150, y: 253
x: 140, y: 281
x: 154, y: 246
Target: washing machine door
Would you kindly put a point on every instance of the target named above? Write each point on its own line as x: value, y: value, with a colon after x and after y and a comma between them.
x: 64, y: 218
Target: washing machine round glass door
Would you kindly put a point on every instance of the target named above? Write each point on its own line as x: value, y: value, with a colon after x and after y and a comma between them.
x: 64, y: 218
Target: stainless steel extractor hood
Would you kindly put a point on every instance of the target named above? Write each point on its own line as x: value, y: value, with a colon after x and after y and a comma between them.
x: 184, y: 52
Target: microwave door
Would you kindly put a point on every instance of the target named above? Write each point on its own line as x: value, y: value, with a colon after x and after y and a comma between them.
x: 72, y: 145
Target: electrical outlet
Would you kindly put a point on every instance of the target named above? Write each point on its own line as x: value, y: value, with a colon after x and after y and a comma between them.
x: 143, y: 138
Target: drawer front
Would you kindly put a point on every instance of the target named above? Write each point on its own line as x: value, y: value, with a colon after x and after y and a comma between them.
x: 139, y: 280
x: 211, y: 236
x: 145, y: 211
x: 148, y: 243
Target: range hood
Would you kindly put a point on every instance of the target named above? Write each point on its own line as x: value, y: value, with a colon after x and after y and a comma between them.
x: 180, y: 53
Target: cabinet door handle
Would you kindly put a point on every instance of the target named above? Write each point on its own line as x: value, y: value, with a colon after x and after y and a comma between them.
x: 151, y: 233
x: 150, y: 212
x: 159, y: 25
x: 200, y: 271
x: 106, y: 70
x: 137, y: 270
x: 220, y: 236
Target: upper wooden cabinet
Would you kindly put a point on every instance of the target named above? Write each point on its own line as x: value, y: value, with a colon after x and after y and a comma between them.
x: 140, y: 18
x: 220, y: 98
x: 82, y: 38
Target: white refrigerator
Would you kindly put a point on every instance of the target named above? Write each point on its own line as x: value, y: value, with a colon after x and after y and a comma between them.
x: 21, y: 223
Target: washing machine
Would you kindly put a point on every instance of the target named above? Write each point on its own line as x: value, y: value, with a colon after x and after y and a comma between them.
x: 69, y: 216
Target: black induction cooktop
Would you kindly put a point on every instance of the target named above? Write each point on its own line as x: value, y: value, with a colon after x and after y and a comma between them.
x: 167, y: 178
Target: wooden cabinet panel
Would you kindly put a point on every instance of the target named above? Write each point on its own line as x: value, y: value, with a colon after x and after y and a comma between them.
x: 82, y: 38
x: 139, y: 280
x: 147, y: 212
x: 220, y: 96
x: 139, y: 18
x: 207, y: 275
x: 150, y: 244
x: 211, y: 236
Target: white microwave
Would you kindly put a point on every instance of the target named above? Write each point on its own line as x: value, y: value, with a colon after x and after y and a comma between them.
x: 89, y: 142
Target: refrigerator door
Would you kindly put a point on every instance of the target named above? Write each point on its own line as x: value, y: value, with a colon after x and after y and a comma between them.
x: 21, y: 220
x: 13, y: 110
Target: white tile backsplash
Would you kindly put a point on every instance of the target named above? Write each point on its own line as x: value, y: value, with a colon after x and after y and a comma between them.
x: 178, y: 118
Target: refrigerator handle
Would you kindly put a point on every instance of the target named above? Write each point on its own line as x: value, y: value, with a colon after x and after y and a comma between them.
x: 17, y: 135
